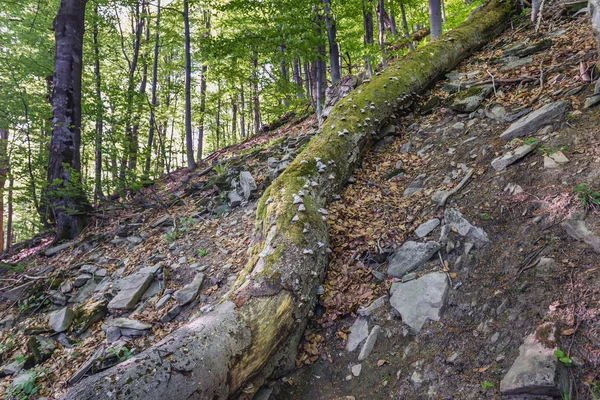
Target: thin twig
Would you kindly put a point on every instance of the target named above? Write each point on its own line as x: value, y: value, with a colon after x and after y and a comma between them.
x: 493, y: 82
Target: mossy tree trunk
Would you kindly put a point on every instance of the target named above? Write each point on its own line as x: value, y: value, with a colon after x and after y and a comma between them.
x: 254, y: 333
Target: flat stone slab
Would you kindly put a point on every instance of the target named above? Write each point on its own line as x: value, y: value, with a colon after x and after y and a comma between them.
x: 411, y: 256
x: 189, y: 292
x: 415, y: 186
x: 61, y: 320
x: 421, y: 299
x: 427, y: 227
x: 50, y: 251
x: 455, y: 220
x: 367, y: 347
x: 535, y: 120
x: 470, y: 99
x: 516, y: 63
x: 126, y: 323
x: 535, y: 372
x: 358, y: 332
x: 501, y: 163
x: 578, y: 230
x: 132, y: 288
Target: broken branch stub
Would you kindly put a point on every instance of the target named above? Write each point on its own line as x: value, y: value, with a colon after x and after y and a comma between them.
x: 254, y: 333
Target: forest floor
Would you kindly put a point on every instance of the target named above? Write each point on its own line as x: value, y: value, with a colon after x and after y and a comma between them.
x: 185, y: 227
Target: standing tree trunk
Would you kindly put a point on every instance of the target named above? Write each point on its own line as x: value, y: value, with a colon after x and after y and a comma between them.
x: 405, y: 27
x: 189, y: 144
x: 297, y: 77
x: 435, y: 19
x: 368, y: 28
x: 234, y: 110
x: 308, y: 83
x: 393, y: 28
x: 284, y: 73
x: 4, y: 165
x: 9, y: 213
x: 203, y: 70
x: 154, y: 100
x: 218, y: 118
x: 334, y: 51
x: 255, y: 94
x: 242, y: 113
x: 66, y: 197
x: 381, y: 33
x: 99, y: 112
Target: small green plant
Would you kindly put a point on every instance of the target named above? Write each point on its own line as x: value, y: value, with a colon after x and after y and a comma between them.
x: 530, y: 141
x: 587, y: 196
x: 471, y: 256
x: 33, y: 302
x: 220, y: 169
x: 8, y: 345
x: 563, y: 358
x: 487, y: 385
x: 202, y: 252
x: 20, y: 359
x: 123, y: 353
x: 28, y: 387
x: 172, y: 236
x: 485, y: 216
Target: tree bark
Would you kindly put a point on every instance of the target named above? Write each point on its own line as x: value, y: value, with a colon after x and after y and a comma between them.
x: 66, y: 197
x: 393, y: 28
x: 4, y: 166
x: 189, y: 144
x: 133, y: 156
x: 255, y: 94
x: 435, y: 19
x: 154, y: 99
x: 242, y: 113
x: 203, y: 71
x: 9, y: 213
x: 284, y: 73
x: 411, y: 47
x: 255, y: 330
x: 234, y: 111
x: 334, y: 53
x: 297, y: 77
x: 367, y: 8
x: 382, y: 33
x: 99, y: 113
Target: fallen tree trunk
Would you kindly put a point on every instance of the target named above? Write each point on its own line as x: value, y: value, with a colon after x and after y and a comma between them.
x: 256, y: 329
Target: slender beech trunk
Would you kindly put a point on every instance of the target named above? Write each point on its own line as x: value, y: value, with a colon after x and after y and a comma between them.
x: 435, y: 19
x: 393, y: 28
x: 405, y: 27
x: 133, y: 156
x: 203, y: 70
x: 368, y: 28
x: 382, y: 33
x: 334, y: 54
x: 255, y: 94
x: 99, y: 112
x: 130, y: 147
x: 284, y: 73
x: 297, y: 77
x: 4, y: 166
x: 189, y: 144
x: 9, y: 213
x: 64, y: 164
x: 308, y: 83
x: 153, y: 100
x: 218, y: 119
x: 234, y: 121
x: 443, y: 7
x: 242, y: 113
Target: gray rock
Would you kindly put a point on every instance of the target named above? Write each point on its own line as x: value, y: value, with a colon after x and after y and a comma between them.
x: 7, y: 322
x: 88, y: 269
x: 40, y: 348
x: 415, y: 186
x: 421, y: 299
x: 516, y: 63
x: 374, y: 306
x: 470, y: 99
x: 496, y: 112
x: 18, y: 292
x: 411, y: 256
x: 247, y: 183
x: 126, y: 323
x: 12, y: 368
x: 81, y: 280
x: 591, y: 101
x: 454, y: 219
x: 57, y: 298
x: 84, y: 292
x: 135, y: 240
x: 102, y: 272
x: 535, y: 372
x: 155, y: 287
x: 53, y: 250
x: 356, y: 369
x: 530, y: 123
x: 358, y: 332
x: 132, y: 288
x: 406, y: 147
x: 511, y: 157
x: 427, y: 227
x: 234, y: 199
x: 61, y: 320
x: 171, y: 314
x: 577, y: 229
x: 162, y: 302
x: 534, y: 48
x: 189, y: 292
x: 367, y: 347
x: 164, y: 220
x: 112, y: 334
x: 549, y: 163
x: 133, y: 333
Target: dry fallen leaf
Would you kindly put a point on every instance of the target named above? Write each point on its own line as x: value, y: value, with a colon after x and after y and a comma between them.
x: 382, y: 362
x: 568, y: 332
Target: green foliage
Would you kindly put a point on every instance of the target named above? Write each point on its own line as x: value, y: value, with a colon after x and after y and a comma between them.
x: 563, y: 358
x: 530, y: 141
x: 27, y: 388
x: 202, y: 252
x: 33, y: 302
x: 123, y: 353
x: 172, y: 236
x: 587, y: 196
x: 486, y: 385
